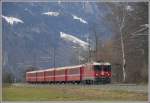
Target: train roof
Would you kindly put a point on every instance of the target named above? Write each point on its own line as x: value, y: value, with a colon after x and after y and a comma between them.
x: 69, y: 67
x: 58, y: 68
x: 103, y: 63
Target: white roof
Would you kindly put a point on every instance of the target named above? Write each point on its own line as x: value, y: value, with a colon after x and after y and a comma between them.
x: 104, y: 63
x: 69, y: 67
x: 35, y: 71
x: 59, y: 68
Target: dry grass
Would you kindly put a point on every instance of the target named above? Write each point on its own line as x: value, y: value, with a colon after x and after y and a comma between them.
x: 13, y: 93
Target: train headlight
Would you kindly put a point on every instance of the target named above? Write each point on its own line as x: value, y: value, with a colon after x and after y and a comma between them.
x: 96, y: 74
x: 102, y: 73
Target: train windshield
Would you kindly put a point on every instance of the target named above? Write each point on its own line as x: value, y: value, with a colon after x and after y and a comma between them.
x: 107, y: 68
x: 97, y: 68
x: 102, y: 67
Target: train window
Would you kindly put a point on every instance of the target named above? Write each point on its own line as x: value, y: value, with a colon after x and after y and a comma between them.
x: 107, y: 68
x: 101, y: 67
x: 97, y: 68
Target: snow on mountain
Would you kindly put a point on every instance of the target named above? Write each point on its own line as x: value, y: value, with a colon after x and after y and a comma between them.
x: 12, y: 20
x: 129, y: 8
x: 145, y: 25
x: 80, y: 19
x: 51, y: 13
x: 81, y: 58
x: 59, y: 2
x: 74, y: 39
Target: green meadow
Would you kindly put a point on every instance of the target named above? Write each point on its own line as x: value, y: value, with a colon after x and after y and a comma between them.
x: 67, y: 93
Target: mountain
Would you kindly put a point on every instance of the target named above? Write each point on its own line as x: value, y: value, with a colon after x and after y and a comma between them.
x: 32, y: 41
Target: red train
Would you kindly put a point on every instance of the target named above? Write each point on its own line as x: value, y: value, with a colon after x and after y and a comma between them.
x: 87, y: 73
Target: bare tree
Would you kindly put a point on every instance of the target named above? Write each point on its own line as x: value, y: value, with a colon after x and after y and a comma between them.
x: 123, y: 19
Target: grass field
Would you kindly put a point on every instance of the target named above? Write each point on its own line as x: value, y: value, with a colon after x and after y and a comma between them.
x: 31, y: 93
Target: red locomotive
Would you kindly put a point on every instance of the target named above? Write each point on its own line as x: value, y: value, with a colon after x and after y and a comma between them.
x: 87, y: 73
